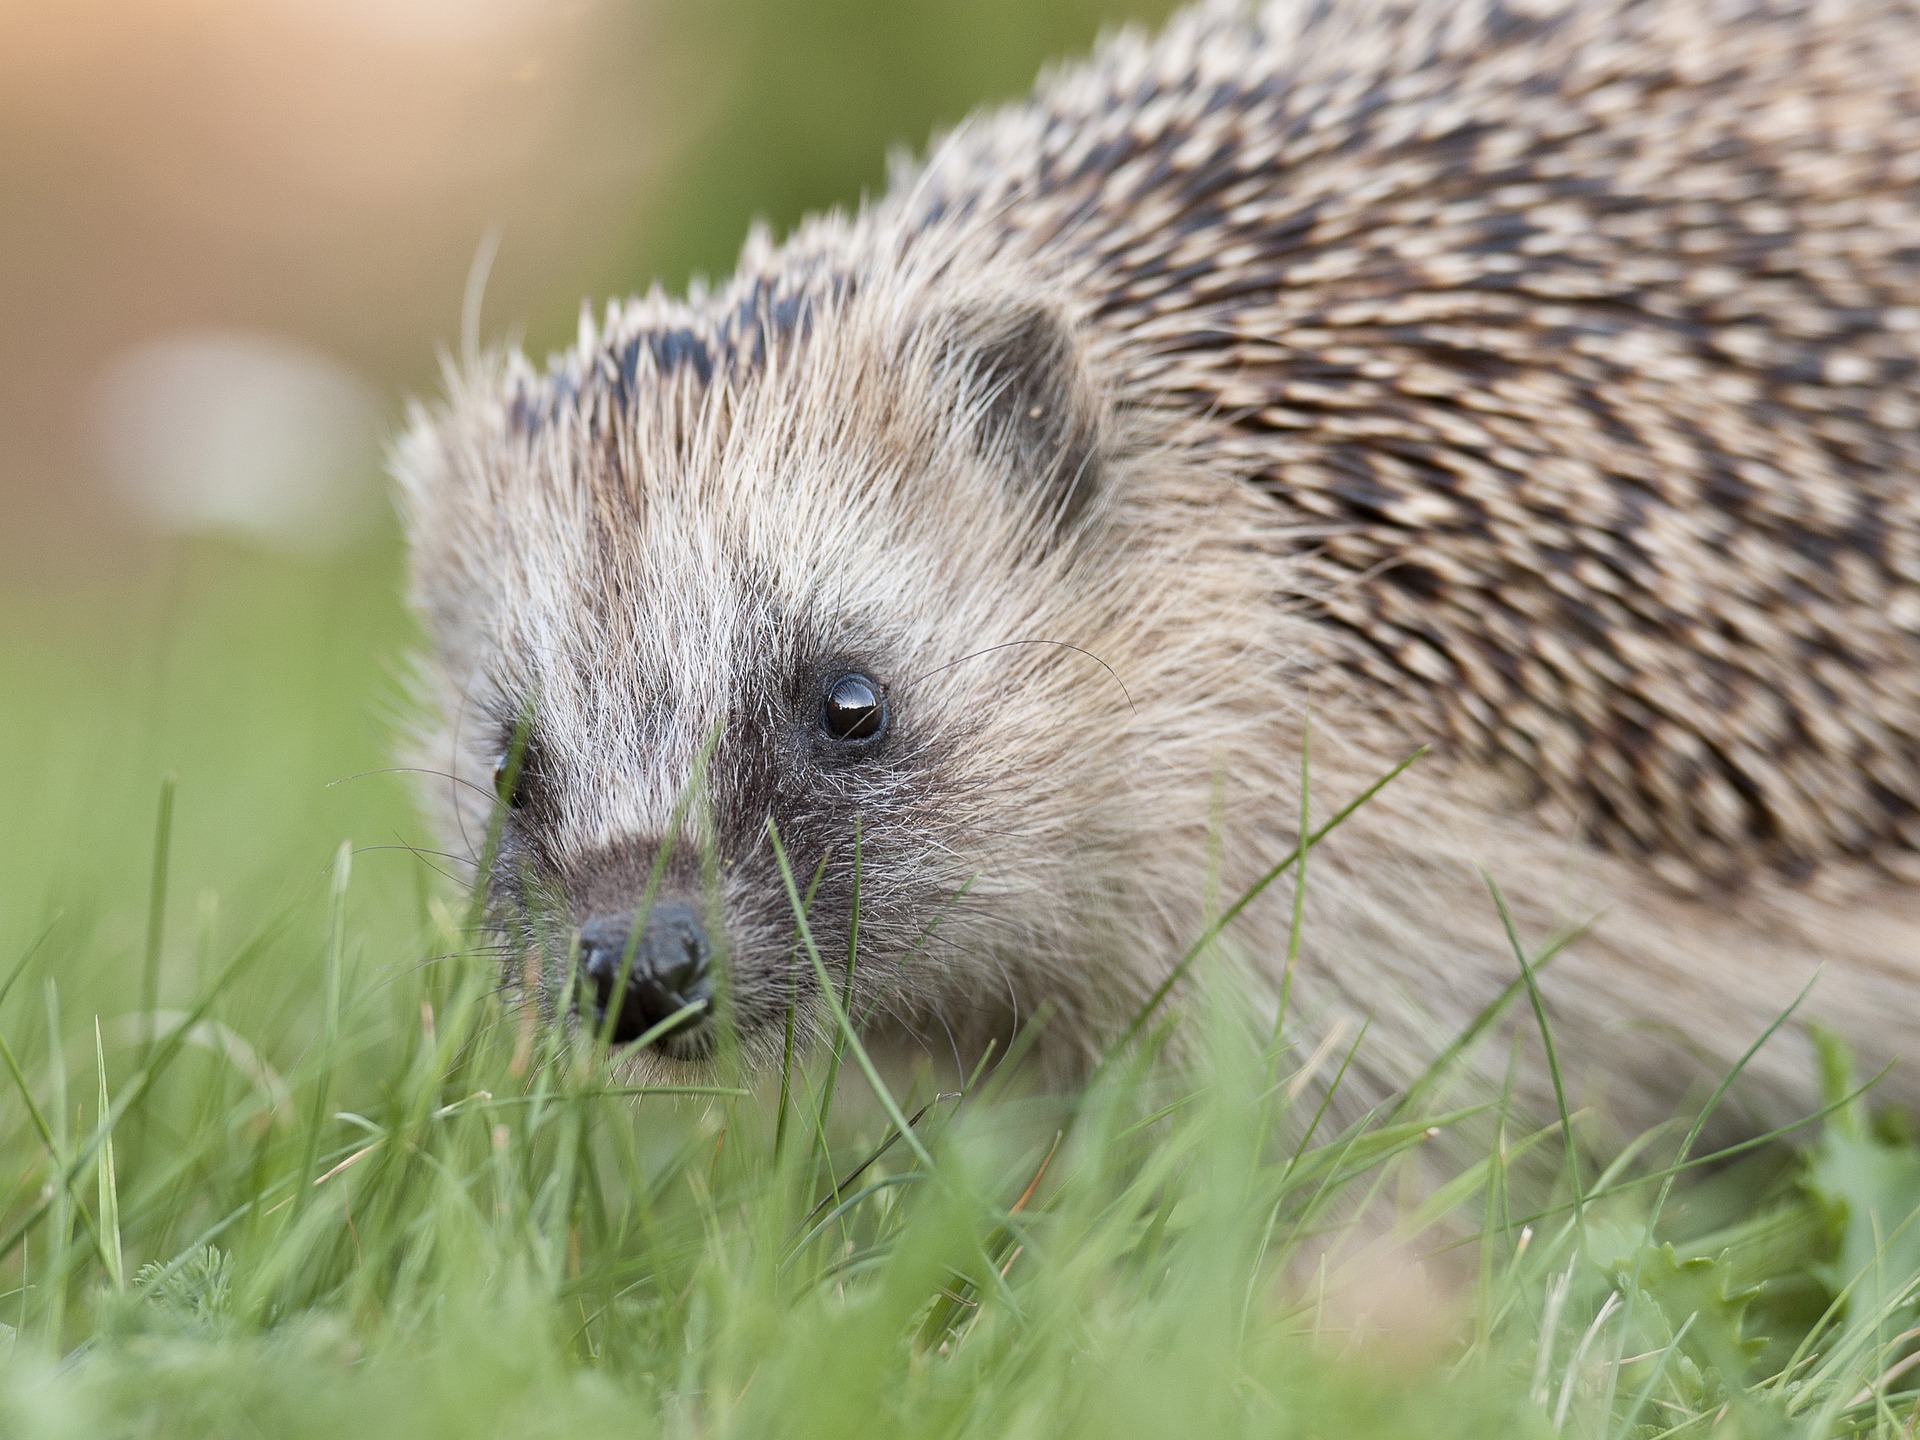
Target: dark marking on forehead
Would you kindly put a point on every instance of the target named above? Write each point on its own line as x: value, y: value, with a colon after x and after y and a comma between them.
x: 669, y: 349
x: 534, y: 404
x: 778, y: 309
x: 729, y: 336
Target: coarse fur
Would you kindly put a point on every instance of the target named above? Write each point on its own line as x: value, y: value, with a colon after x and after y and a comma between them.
x: 1535, y: 382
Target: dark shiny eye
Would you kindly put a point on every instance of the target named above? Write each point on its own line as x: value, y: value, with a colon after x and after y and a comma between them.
x: 855, y: 709
x: 512, y: 773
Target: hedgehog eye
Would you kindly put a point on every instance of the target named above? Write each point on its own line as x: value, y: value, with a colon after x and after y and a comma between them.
x: 855, y: 710
x: 511, y: 773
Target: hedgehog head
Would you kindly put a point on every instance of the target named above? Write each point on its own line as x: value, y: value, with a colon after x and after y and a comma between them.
x: 785, y: 601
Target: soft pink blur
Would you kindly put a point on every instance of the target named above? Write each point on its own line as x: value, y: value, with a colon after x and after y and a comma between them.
x: 287, y: 190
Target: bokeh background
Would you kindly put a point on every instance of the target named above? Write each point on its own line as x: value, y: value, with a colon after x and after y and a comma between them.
x: 234, y: 235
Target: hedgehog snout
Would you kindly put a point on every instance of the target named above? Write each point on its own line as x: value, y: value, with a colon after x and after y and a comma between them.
x: 644, y: 981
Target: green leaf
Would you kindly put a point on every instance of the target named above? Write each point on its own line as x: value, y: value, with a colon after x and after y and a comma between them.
x: 1867, y: 1186
x: 1697, y: 1299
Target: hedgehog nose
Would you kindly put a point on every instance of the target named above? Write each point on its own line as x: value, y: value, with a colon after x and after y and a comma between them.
x: 670, y: 970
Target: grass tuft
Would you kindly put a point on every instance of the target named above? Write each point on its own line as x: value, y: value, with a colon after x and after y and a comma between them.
x: 318, y: 1183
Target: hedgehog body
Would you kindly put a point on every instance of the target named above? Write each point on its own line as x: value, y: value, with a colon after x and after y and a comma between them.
x: 1536, y: 383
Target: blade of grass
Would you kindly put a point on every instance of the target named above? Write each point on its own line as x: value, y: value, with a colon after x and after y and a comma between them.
x: 329, y: 1020
x: 20, y: 966
x: 47, y: 1138
x: 840, y: 1016
x: 838, y: 1051
x: 109, y: 1182
x: 786, y: 1052
x: 60, y: 1198
x: 1233, y: 911
x: 1666, y: 1186
x: 1483, y: 1021
x: 1666, y: 1353
x: 1553, y: 1058
x: 135, y: 1086
x: 156, y: 910
x: 1699, y: 1162
x: 1297, y: 921
x: 867, y: 1163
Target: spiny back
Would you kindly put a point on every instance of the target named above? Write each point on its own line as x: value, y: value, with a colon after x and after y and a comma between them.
x: 1580, y: 343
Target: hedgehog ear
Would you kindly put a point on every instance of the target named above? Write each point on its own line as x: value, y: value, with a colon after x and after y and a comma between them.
x: 1025, y: 386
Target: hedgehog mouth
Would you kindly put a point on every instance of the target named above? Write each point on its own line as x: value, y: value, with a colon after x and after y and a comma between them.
x: 691, y: 1040
x: 662, y: 1023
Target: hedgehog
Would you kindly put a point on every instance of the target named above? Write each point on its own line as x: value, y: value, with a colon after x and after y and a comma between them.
x: 938, y: 624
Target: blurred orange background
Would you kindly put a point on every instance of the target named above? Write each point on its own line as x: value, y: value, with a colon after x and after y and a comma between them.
x: 236, y: 232
x: 311, y: 177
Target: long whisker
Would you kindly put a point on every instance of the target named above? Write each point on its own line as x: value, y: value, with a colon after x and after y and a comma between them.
x: 418, y: 770
x: 417, y: 966
x: 420, y: 855
x: 460, y: 719
x: 420, y: 850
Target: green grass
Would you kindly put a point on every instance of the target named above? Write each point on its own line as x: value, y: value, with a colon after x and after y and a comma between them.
x: 343, y: 1190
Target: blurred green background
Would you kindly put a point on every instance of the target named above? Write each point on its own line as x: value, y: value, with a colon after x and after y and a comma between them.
x: 259, y: 654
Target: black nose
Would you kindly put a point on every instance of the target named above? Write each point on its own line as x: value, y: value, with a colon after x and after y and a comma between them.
x: 670, y: 969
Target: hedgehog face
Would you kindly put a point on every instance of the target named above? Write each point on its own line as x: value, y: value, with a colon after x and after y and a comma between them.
x: 673, y: 785
x: 824, y: 633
